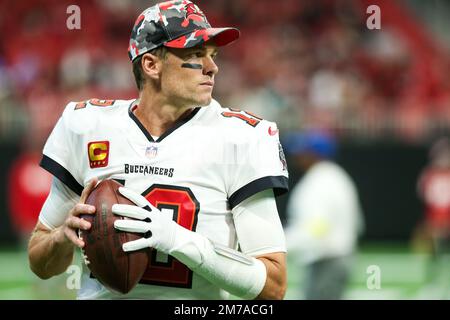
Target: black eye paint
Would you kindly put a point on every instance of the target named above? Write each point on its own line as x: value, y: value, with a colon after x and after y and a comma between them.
x: 192, y: 66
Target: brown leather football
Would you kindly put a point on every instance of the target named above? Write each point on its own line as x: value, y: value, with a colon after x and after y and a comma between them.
x: 109, y: 264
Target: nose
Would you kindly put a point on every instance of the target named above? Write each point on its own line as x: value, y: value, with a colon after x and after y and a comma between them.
x: 209, y: 66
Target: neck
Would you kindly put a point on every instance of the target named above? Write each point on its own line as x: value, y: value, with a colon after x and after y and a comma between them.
x: 158, y: 115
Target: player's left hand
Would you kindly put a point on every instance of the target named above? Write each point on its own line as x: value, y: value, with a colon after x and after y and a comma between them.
x: 158, y: 228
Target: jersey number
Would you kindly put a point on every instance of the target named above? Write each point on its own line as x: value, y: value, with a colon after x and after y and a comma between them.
x: 94, y: 102
x: 164, y: 270
x: 246, y: 116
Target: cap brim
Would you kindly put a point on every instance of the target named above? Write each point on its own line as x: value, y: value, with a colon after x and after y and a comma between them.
x: 221, y: 36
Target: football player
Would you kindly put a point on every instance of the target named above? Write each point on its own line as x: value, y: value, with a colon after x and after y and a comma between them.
x: 433, y: 230
x: 203, y: 177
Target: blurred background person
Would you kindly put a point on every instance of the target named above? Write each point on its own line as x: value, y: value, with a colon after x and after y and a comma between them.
x: 324, y: 216
x: 433, y: 232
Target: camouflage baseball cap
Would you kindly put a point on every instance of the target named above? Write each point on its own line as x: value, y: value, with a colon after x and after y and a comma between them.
x: 175, y: 24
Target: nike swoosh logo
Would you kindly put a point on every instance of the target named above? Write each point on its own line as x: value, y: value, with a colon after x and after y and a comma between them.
x: 273, y: 132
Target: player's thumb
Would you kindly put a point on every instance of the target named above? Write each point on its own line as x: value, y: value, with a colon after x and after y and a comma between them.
x: 88, y: 189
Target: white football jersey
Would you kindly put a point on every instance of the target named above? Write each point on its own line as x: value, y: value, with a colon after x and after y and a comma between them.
x: 197, y: 172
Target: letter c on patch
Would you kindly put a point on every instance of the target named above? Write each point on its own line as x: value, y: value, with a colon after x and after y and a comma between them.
x: 98, y: 152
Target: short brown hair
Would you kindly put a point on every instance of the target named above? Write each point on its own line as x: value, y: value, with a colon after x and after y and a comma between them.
x: 137, y: 66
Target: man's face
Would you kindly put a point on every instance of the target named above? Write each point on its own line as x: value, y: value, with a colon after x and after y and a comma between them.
x: 187, y: 77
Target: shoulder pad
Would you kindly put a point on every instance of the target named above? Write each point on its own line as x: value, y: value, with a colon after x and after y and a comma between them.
x: 84, y: 116
x: 248, y: 123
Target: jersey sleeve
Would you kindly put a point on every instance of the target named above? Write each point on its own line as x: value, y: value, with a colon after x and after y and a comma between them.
x: 56, y: 207
x: 258, y: 225
x: 260, y: 164
x: 59, y: 157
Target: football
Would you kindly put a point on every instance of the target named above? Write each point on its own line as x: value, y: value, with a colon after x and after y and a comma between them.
x: 115, y: 269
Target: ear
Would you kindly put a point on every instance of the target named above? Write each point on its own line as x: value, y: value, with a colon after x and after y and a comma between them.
x: 151, y: 65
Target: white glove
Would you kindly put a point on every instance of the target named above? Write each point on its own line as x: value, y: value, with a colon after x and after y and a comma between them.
x: 159, y: 229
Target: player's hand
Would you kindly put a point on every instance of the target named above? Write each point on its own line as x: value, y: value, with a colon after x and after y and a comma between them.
x: 158, y: 228
x: 68, y: 232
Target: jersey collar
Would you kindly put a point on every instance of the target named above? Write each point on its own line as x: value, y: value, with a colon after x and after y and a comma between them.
x: 177, y: 124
